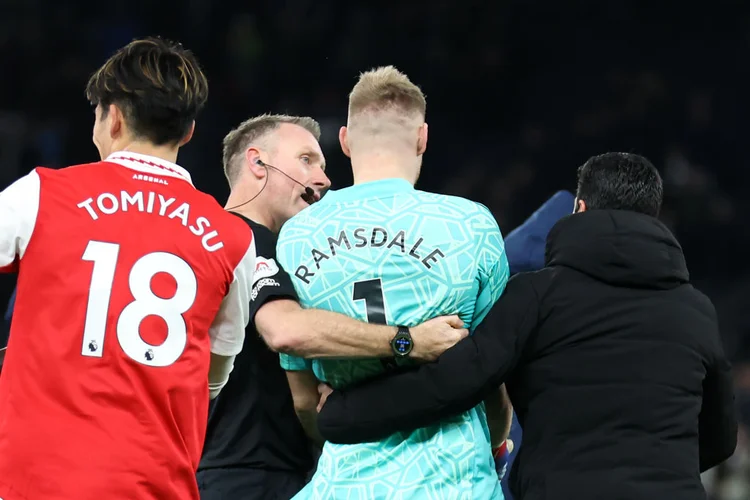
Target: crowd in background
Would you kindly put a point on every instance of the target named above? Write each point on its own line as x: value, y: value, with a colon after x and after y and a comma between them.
x: 519, y: 92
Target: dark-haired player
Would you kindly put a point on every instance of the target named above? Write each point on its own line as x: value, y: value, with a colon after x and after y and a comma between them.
x: 143, y: 216
x: 132, y: 293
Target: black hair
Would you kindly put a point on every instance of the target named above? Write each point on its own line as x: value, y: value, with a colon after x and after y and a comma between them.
x: 157, y: 84
x: 620, y: 181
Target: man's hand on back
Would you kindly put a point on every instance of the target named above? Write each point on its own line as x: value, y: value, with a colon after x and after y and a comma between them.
x: 323, y: 390
x: 432, y: 338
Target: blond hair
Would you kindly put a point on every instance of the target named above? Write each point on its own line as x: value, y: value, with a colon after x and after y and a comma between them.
x: 386, y: 89
x: 253, y: 130
x: 384, y: 104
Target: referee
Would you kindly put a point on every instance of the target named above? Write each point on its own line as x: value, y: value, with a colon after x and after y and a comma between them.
x: 255, y: 446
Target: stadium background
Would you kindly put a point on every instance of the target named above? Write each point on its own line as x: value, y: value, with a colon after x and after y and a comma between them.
x: 520, y: 92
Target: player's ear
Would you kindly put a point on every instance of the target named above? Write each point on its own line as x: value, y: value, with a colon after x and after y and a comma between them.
x: 188, y: 136
x: 254, y: 163
x: 116, y: 121
x: 343, y: 140
x: 422, y: 140
x: 580, y: 206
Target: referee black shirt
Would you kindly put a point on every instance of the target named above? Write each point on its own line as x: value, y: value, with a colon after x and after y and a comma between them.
x: 252, y: 423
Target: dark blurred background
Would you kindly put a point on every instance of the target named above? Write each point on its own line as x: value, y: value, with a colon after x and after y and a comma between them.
x: 519, y: 92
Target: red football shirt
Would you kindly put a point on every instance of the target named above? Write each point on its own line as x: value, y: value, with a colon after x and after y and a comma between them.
x: 128, y: 278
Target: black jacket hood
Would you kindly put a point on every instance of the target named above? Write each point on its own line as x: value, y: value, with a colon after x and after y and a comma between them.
x: 618, y: 247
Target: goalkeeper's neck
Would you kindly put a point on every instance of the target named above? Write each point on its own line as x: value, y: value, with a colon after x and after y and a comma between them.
x: 381, y: 164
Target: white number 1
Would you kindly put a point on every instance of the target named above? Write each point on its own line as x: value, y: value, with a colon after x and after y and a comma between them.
x: 145, y: 303
x: 104, y: 257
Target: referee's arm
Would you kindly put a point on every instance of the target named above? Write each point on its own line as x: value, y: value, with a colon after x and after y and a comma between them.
x: 286, y: 327
x: 459, y: 380
x: 313, y: 333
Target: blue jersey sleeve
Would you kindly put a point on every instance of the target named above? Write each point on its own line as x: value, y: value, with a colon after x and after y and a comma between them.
x: 285, y: 259
x: 293, y: 363
x: 492, y: 270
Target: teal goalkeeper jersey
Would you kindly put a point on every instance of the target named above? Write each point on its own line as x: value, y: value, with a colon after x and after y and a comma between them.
x: 384, y: 252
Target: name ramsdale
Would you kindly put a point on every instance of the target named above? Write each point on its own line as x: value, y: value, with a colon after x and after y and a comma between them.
x: 153, y: 203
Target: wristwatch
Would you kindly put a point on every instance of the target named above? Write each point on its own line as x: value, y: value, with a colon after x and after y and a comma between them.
x: 402, y: 343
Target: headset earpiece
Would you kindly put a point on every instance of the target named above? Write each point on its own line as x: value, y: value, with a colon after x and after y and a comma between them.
x: 308, y: 195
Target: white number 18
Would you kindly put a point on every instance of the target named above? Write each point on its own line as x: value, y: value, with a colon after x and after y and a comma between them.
x: 145, y: 303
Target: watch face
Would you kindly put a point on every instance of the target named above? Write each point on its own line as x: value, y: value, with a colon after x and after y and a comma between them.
x: 402, y: 344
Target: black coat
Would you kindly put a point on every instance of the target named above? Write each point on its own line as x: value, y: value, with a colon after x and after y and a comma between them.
x: 612, y: 360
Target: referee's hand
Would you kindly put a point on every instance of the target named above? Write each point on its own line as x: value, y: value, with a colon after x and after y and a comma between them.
x: 432, y: 338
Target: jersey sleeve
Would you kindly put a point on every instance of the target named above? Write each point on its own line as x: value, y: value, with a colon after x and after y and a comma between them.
x: 270, y: 280
x: 293, y: 363
x: 227, y: 332
x: 19, y: 207
x: 492, y: 263
x: 285, y: 256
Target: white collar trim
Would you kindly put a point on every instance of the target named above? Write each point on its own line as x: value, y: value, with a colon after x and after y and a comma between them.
x: 149, y: 164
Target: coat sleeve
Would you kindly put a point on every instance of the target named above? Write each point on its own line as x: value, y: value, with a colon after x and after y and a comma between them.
x: 717, y: 422
x: 459, y: 380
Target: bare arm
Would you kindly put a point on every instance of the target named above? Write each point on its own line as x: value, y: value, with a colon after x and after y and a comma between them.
x: 304, y: 387
x: 499, y: 415
x: 314, y: 333
x: 311, y: 333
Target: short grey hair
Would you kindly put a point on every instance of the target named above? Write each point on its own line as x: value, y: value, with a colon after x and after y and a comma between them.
x: 254, y: 129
